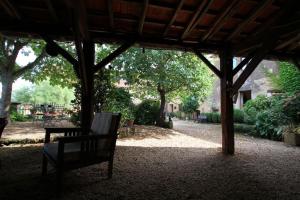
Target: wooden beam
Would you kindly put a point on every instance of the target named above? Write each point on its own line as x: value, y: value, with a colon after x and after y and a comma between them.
x: 246, y: 73
x: 226, y: 65
x: 253, y: 15
x: 173, y: 17
x: 195, y: 16
x: 10, y: 9
x: 143, y: 16
x: 110, y: 13
x: 242, y: 64
x: 208, y: 63
x: 289, y: 41
x: 271, y: 29
x: 60, y: 50
x: 51, y: 10
x: 79, y: 18
x: 112, y: 56
x: 228, y: 12
x: 204, y: 11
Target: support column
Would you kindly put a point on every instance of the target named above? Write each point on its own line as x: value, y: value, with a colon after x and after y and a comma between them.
x: 226, y: 66
x: 87, y: 84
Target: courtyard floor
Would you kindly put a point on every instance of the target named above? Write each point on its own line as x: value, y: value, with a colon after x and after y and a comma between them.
x: 155, y: 163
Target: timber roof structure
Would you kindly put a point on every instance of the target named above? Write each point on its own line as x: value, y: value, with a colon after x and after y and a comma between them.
x: 206, y: 25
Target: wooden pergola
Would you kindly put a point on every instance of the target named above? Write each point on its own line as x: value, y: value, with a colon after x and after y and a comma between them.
x: 253, y: 29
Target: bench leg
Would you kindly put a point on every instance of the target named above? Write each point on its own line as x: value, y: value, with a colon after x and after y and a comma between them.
x: 44, y: 167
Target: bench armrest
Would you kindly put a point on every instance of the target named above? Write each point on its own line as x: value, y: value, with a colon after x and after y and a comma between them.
x: 65, y: 131
x: 70, y: 139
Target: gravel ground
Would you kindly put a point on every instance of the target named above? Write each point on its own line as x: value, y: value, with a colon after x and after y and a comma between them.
x: 184, y: 163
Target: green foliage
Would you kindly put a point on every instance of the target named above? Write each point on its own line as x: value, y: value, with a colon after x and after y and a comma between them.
x: 291, y: 107
x: 216, y: 117
x: 238, y: 116
x: 190, y: 104
x: 245, y: 128
x: 208, y: 116
x: 269, y: 124
x: 172, y: 73
x: 119, y: 100
x: 17, y: 117
x: 254, y: 106
x: 269, y: 115
x: 56, y: 70
x: 288, y: 78
x: 43, y: 93
x: 147, y: 112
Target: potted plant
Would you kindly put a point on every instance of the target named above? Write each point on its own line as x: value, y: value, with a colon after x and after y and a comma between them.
x: 128, y: 116
x: 292, y: 136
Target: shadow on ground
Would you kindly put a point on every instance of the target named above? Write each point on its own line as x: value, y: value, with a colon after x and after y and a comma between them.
x: 158, y: 173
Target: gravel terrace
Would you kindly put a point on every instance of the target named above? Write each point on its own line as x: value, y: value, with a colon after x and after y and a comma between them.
x: 155, y: 163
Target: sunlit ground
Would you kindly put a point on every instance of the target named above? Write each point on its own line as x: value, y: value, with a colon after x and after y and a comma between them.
x: 174, y: 139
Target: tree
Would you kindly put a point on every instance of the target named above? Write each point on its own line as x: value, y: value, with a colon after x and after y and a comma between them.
x: 10, y: 70
x: 44, y: 93
x: 190, y: 104
x: 164, y: 74
x: 57, y: 70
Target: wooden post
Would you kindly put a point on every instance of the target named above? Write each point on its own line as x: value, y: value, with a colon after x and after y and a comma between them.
x: 226, y: 101
x: 87, y: 84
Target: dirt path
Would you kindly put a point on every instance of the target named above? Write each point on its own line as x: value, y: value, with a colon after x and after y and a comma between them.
x: 165, y: 164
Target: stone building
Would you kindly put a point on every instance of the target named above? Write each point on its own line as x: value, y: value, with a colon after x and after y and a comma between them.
x: 257, y: 84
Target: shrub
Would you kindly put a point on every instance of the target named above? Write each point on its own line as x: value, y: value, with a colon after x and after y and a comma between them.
x: 216, y: 117
x: 238, y: 116
x: 254, y: 106
x: 15, y: 116
x: 208, y: 116
x: 269, y: 124
x: 245, y: 128
x: 147, y: 112
x: 119, y: 100
x: 291, y: 107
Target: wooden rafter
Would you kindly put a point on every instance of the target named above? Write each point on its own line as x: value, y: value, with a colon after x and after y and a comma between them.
x: 276, y: 32
x: 192, y: 21
x: 173, y: 17
x: 228, y: 12
x: 208, y: 63
x: 10, y: 8
x: 110, y: 13
x: 271, y: 28
x: 51, y: 9
x: 242, y: 64
x: 79, y: 18
x: 253, y: 15
x: 204, y: 11
x: 287, y: 42
x: 143, y: 16
x: 112, y: 56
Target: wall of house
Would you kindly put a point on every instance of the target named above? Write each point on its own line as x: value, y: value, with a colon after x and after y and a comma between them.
x: 257, y: 83
x: 171, y: 107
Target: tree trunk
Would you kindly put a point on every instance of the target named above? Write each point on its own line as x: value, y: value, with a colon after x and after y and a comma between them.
x: 161, y: 118
x: 7, y: 82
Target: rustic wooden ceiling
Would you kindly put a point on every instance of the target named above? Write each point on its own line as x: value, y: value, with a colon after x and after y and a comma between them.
x: 207, y: 25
